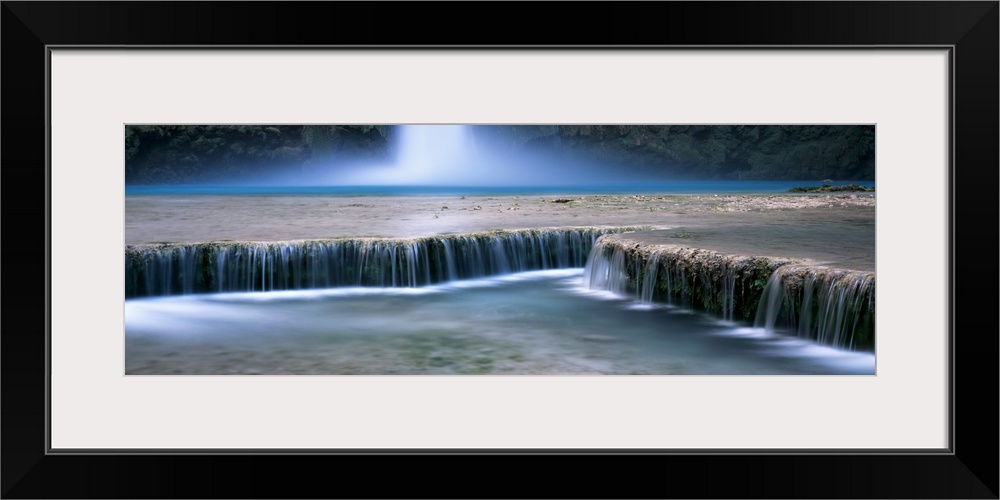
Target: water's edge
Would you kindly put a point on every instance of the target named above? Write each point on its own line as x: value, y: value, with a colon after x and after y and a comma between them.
x: 794, y: 296
x: 170, y: 269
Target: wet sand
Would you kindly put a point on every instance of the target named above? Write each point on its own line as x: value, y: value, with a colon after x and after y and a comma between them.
x: 837, y: 229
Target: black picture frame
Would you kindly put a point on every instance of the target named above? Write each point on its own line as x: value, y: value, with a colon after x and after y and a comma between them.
x: 968, y: 470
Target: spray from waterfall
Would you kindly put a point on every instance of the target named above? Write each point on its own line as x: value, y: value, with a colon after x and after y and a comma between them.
x: 455, y: 155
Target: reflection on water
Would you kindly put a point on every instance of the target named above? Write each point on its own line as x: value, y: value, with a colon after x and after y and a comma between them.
x: 522, y: 324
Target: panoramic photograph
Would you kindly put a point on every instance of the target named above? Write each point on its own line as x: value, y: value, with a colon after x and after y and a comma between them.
x: 490, y: 250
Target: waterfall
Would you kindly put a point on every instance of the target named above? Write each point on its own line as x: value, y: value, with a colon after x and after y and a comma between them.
x: 258, y: 266
x: 685, y: 276
x: 728, y: 291
x: 830, y: 306
x: 606, y: 273
x: 427, y: 154
x: 649, y: 277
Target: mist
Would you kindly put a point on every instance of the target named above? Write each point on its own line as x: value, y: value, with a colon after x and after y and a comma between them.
x: 453, y: 155
x: 509, y: 156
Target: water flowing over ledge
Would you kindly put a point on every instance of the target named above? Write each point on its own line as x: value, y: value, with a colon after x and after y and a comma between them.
x: 830, y: 306
x: 169, y: 269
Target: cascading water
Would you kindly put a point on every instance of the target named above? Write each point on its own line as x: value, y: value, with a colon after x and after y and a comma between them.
x: 728, y: 291
x: 427, y: 154
x: 467, y: 155
x: 229, y: 267
x: 649, y: 277
x: 829, y: 306
x: 606, y: 272
x: 678, y: 275
x: 439, y: 151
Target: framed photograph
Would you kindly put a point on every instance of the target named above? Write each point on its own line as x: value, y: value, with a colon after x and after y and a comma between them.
x: 518, y: 250
x: 339, y: 246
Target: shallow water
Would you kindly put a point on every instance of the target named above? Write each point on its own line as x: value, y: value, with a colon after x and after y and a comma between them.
x: 532, y: 323
x: 670, y: 187
x: 831, y: 229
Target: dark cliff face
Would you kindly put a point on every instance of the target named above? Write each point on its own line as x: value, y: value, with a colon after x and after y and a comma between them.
x: 172, y: 154
x: 731, y: 152
x: 177, y: 154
